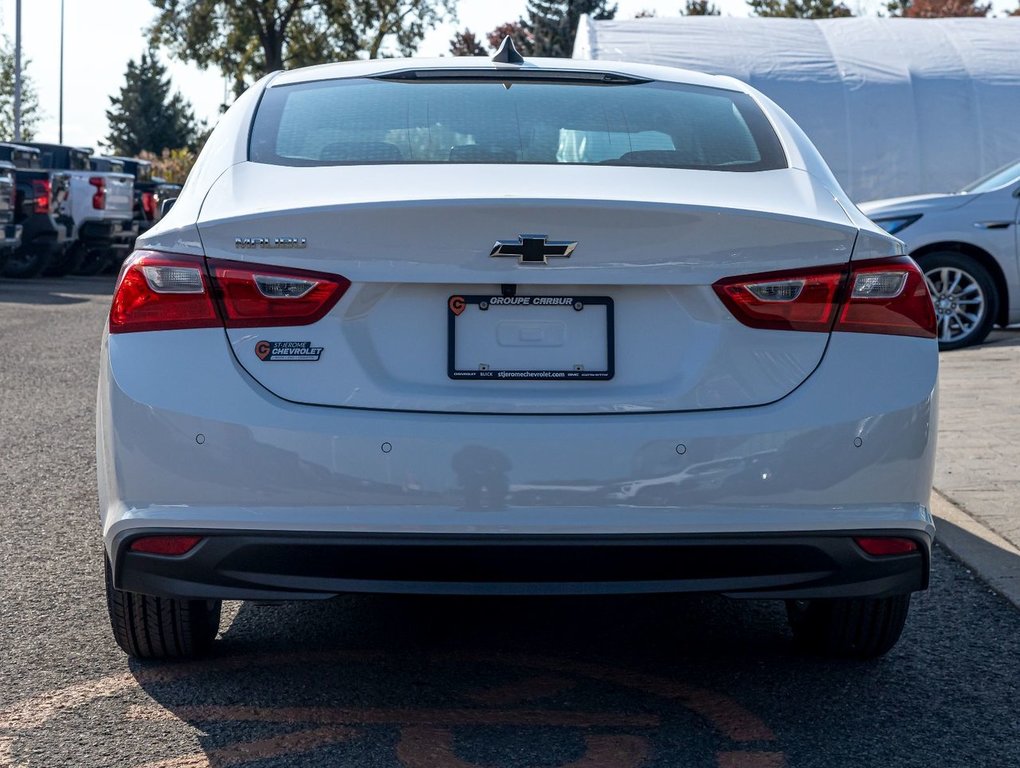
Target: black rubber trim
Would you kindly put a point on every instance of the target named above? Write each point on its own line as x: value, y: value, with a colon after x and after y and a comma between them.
x: 243, y: 565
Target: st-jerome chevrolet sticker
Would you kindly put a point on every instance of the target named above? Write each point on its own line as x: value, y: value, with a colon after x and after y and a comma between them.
x: 295, y: 351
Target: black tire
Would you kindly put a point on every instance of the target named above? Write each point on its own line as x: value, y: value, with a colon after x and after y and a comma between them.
x: 147, y: 627
x: 65, y: 263
x: 930, y: 264
x: 26, y: 263
x: 857, y: 628
x: 92, y: 263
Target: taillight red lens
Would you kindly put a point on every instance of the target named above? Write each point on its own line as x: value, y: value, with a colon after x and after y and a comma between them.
x: 259, y: 296
x: 161, y: 292
x: 879, y: 546
x: 881, y: 296
x: 41, y: 191
x: 149, y: 205
x: 165, y: 545
x: 99, y: 198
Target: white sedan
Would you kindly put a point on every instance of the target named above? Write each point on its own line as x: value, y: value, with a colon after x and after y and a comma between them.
x: 968, y: 245
x: 463, y: 326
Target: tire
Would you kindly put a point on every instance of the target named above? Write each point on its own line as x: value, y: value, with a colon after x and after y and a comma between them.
x: 92, y: 263
x: 958, y: 283
x: 161, y: 628
x: 65, y: 263
x: 857, y: 628
x: 27, y: 263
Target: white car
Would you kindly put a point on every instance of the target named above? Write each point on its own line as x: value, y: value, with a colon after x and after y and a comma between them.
x: 437, y: 326
x: 968, y: 245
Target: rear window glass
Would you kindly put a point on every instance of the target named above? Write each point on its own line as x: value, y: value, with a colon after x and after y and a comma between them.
x: 646, y: 124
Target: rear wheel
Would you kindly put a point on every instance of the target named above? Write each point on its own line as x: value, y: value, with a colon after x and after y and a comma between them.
x: 964, y: 295
x: 92, y: 263
x: 861, y: 628
x: 65, y: 262
x: 27, y: 262
x: 147, y: 627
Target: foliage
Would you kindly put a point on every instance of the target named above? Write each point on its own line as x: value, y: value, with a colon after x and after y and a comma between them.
x: 146, y: 115
x: 246, y: 39
x: 29, y: 98
x: 552, y: 24
x: 700, y: 8
x: 800, y: 9
x: 937, y: 9
x: 466, y: 43
x: 514, y: 29
x: 174, y: 165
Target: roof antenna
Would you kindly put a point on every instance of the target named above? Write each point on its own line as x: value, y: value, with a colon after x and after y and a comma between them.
x: 507, y: 53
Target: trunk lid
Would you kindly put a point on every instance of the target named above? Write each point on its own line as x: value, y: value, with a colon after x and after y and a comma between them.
x: 410, y: 242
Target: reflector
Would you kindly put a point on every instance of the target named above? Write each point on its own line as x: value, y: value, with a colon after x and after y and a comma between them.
x: 165, y: 545
x: 878, y: 546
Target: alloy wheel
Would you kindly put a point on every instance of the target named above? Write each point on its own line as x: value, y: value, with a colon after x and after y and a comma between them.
x: 960, y: 304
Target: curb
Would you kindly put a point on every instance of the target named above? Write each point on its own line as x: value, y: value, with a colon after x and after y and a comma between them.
x: 995, y: 560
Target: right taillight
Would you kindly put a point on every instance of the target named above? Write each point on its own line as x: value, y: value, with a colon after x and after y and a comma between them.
x: 160, y: 292
x: 887, y: 296
x: 149, y: 205
x: 42, y: 191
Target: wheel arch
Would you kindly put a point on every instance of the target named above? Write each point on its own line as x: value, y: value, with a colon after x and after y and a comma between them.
x: 986, y: 260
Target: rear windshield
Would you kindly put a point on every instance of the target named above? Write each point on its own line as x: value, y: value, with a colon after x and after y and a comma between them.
x: 644, y: 124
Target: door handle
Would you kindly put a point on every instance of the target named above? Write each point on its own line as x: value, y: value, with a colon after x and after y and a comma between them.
x: 992, y: 224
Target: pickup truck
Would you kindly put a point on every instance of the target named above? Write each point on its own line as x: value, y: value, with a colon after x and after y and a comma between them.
x: 40, y: 194
x: 145, y: 185
x: 100, y: 203
x: 10, y: 233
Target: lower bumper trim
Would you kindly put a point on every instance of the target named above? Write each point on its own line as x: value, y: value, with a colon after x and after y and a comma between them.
x: 259, y: 566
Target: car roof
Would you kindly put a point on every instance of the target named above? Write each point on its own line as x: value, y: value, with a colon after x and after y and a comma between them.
x: 377, y: 67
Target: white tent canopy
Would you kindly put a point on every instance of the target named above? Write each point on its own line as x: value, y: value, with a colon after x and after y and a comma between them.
x: 896, y: 106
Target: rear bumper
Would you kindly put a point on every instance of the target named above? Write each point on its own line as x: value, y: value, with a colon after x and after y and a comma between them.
x: 258, y: 565
x: 46, y: 232
x: 109, y: 233
x: 10, y: 237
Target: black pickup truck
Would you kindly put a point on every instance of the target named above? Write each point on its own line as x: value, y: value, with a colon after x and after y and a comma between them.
x: 40, y: 194
x: 10, y: 233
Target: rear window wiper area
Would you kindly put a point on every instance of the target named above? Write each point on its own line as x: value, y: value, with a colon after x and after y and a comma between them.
x: 504, y: 75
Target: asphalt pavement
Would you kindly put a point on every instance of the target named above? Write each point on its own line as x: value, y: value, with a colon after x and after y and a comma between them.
x: 438, y: 682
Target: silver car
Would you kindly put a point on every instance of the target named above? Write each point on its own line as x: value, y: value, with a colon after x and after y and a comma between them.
x: 968, y: 245
x: 462, y: 326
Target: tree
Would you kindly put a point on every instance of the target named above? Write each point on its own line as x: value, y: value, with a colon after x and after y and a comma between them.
x: 552, y: 24
x: 800, y: 9
x: 513, y: 29
x: 466, y: 43
x: 700, y: 8
x: 246, y: 39
x: 146, y: 115
x: 29, y: 98
x: 937, y: 9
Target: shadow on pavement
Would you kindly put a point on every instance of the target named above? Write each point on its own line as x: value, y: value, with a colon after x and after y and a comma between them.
x: 55, y: 290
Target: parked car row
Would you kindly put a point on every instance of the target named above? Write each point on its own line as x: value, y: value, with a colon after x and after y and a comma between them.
x: 64, y: 210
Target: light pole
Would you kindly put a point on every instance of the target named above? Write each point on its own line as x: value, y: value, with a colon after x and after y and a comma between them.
x: 61, y: 124
x: 17, y: 70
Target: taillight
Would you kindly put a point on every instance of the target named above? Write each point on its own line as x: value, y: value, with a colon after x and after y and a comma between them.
x: 99, y: 198
x: 149, y: 205
x: 159, y: 292
x: 162, y: 292
x: 257, y: 296
x: 880, y: 296
x: 882, y: 545
x: 42, y: 191
x: 165, y: 545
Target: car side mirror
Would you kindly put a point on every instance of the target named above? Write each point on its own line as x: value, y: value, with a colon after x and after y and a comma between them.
x: 166, y: 205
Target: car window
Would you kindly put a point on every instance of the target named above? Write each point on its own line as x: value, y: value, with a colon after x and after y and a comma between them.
x: 999, y: 178
x: 377, y: 121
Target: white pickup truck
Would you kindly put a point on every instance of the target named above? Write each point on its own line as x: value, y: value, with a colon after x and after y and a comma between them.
x: 101, y: 204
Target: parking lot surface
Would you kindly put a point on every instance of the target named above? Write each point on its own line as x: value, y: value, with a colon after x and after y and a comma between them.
x: 444, y: 682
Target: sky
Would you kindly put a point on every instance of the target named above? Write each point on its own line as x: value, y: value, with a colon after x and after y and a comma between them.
x: 100, y: 36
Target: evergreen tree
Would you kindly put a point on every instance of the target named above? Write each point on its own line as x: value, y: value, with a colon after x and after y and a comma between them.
x: 29, y: 98
x: 700, y: 8
x: 147, y: 116
x: 800, y: 9
x: 552, y: 24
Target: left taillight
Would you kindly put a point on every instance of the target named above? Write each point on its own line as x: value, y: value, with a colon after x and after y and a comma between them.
x: 161, y: 292
x: 888, y: 296
x: 99, y: 198
x: 149, y: 205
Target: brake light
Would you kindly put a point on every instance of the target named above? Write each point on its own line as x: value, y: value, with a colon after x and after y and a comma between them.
x: 99, y: 198
x: 149, y: 205
x: 42, y: 191
x: 159, y: 292
x: 162, y: 292
x: 257, y: 296
x: 879, y: 546
x: 165, y: 545
x: 887, y: 296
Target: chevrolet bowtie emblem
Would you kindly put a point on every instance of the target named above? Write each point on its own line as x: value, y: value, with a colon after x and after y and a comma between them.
x: 533, y: 249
